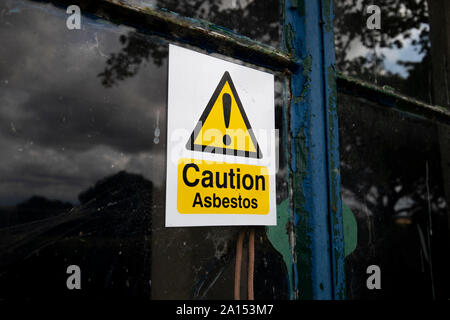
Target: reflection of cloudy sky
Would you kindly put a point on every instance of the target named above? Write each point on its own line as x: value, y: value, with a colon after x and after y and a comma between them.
x: 408, y: 52
x: 60, y: 129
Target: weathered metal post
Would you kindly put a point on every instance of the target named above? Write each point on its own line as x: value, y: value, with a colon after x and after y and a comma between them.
x: 313, y: 148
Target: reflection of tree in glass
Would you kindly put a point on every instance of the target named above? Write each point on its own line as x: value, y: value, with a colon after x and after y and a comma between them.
x: 391, y: 163
x: 399, y: 20
x: 137, y: 49
x: 258, y: 20
x: 391, y: 180
x: 106, y: 235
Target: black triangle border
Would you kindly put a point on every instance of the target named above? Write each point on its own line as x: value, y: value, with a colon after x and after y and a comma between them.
x: 202, y: 148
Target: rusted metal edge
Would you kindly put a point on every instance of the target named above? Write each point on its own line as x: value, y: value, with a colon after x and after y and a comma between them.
x: 388, y: 97
x: 196, y: 32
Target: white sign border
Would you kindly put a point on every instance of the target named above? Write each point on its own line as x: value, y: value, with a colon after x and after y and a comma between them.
x: 256, y: 91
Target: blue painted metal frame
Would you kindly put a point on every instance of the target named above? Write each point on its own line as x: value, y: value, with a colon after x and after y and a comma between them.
x: 313, y: 144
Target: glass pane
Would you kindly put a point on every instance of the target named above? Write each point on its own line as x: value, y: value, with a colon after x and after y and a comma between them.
x: 394, y: 199
x: 83, y: 116
x: 82, y: 172
x: 256, y: 19
x: 394, y: 53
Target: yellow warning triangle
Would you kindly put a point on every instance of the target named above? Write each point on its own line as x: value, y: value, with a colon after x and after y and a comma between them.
x: 224, y: 126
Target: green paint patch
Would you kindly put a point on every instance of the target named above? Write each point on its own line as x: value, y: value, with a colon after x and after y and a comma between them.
x: 327, y: 13
x: 289, y: 36
x: 278, y: 236
x: 331, y: 77
x: 303, y: 226
x: 307, y: 66
x: 302, y: 230
x: 350, y: 230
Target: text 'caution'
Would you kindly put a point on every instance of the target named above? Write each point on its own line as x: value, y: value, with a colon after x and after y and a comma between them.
x: 225, y: 188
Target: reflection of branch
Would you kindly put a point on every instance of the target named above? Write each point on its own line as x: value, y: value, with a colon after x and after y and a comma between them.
x: 125, y: 64
x: 257, y: 20
x: 348, y: 26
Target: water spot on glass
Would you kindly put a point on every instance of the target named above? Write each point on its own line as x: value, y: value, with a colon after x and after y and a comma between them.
x: 157, y: 130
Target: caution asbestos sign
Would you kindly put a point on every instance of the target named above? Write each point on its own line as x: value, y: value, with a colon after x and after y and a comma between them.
x: 221, y: 153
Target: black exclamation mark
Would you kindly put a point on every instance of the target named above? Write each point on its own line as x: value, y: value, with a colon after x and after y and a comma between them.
x: 226, y: 102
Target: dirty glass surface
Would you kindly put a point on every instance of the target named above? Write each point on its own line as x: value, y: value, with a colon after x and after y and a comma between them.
x: 82, y: 172
x: 256, y: 19
x: 83, y: 151
x: 393, y: 172
x: 394, y: 53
